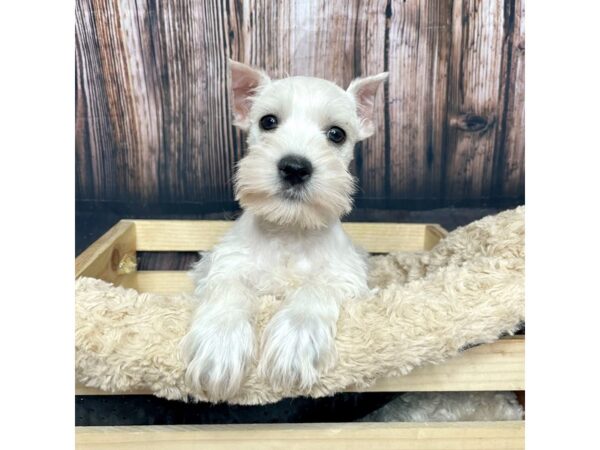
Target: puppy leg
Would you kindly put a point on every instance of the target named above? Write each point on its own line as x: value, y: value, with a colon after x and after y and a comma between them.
x: 299, y: 341
x: 220, y: 341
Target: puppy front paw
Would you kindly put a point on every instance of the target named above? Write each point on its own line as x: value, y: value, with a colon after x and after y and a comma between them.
x: 297, y: 349
x: 217, y: 351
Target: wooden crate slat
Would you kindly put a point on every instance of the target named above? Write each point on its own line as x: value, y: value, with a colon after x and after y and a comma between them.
x: 194, y: 235
x: 319, y: 436
x: 389, y: 237
x: 498, y: 366
x: 158, y: 281
x: 179, y: 235
x: 433, y: 235
x: 102, y: 258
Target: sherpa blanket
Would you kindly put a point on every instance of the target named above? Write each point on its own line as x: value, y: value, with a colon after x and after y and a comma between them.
x: 467, y: 290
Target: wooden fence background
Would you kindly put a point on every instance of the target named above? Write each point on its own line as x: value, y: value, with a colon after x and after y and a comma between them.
x: 152, y: 121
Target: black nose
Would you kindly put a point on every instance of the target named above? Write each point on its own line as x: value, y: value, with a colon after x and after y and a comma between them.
x: 294, y: 169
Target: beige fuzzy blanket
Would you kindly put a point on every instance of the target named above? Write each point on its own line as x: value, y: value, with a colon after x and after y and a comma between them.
x: 469, y: 289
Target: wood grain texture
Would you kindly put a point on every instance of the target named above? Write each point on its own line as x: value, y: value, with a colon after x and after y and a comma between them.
x: 196, y: 235
x: 152, y: 119
x: 104, y: 258
x: 371, y: 36
x: 329, y: 436
x: 420, y: 37
x: 509, y: 152
x: 473, y: 103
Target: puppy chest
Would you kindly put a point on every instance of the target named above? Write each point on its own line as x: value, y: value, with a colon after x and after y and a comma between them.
x: 279, y: 273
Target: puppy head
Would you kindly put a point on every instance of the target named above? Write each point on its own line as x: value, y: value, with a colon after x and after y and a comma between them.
x: 301, y: 137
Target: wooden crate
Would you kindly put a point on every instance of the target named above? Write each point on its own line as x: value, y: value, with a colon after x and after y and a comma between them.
x: 493, y: 367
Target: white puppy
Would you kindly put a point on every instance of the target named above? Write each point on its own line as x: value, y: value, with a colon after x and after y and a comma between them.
x: 294, y: 186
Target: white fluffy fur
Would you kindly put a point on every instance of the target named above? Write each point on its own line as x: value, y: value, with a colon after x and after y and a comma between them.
x: 288, y: 242
x: 449, y: 407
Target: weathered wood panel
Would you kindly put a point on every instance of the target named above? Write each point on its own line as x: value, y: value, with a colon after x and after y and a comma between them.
x: 508, y: 435
x: 153, y: 121
x: 153, y: 127
x: 473, y: 101
x: 370, y: 50
x: 509, y: 167
x: 420, y: 37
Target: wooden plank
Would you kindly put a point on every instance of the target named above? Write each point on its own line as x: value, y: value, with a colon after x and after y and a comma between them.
x: 327, y: 436
x: 84, y: 390
x: 179, y: 235
x: 419, y: 49
x: 474, y: 104
x: 296, y: 38
x: 370, y: 57
x: 116, y: 113
x: 159, y: 281
x: 195, y: 155
x: 152, y: 111
x: 433, y: 235
x: 509, y: 151
x: 192, y: 235
x: 387, y: 237
x: 104, y: 259
x: 94, y: 151
x: 499, y: 366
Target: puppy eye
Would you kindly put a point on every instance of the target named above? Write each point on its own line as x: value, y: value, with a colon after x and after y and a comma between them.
x: 336, y: 135
x: 268, y: 122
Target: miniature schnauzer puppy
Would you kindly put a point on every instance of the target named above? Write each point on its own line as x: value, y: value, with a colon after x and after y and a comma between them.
x: 293, y: 185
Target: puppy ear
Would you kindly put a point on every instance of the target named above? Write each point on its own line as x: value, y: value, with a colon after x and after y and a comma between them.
x: 244, y: 82
x: 363, y: 90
